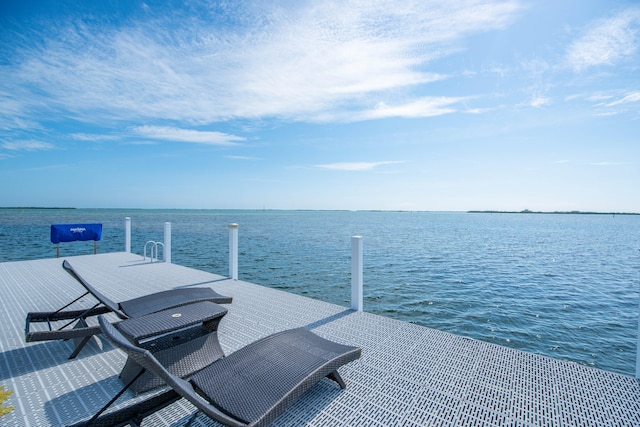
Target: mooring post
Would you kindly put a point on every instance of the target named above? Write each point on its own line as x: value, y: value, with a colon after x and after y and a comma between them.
x: 127, y: 234
x: 166, y: 252
x: 356, y: 273
x: 233, y: 251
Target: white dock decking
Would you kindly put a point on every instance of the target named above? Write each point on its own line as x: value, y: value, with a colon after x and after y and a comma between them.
x: 408, y: 375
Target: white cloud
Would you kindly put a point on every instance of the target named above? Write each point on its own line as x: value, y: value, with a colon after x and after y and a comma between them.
x: 610, y: 103
x: 168, y: 133
x: 631, y: 97
x: 540, y: 101
x: 242, y: 157
x: 607, y: 163
x: 92, y: 137
x: 598, y: 97
x: 424, y: 107
x: 27, y: 145
x: 355, y: 166
x: 478, y: 110
x: 607, y: 41
x: 314, y: 61
x: 14, y: 109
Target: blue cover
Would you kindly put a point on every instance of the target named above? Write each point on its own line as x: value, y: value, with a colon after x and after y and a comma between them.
x: 73, y: 232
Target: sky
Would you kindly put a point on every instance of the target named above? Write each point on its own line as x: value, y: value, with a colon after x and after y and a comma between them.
x: 437, y: 105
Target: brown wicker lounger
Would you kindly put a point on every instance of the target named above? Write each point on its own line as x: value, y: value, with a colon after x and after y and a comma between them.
x: 74, y: 321
x: 250, y: 387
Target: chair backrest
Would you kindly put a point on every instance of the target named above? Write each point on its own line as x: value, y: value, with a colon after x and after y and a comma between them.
x: 113, y: 306
x: 140, y: 355
x: 148, y: 361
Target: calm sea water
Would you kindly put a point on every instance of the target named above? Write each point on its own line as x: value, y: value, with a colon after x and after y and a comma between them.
x: 565, y: 286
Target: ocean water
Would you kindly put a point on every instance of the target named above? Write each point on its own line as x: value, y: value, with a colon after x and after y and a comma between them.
x: 565, y: 286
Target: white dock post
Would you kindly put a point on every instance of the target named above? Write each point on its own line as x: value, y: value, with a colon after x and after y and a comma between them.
x: 167, y: 242
x: 233, y: 251
x: 127, y: 234
x: 356, y: 273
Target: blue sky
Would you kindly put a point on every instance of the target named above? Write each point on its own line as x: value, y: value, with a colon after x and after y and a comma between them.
x: 412, y: 105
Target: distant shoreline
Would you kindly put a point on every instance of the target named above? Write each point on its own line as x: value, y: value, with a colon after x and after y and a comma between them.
x: 34, y: 207
x: 527, y: 211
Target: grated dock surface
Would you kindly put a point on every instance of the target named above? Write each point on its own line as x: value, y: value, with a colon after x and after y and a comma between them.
x: 408, y: 375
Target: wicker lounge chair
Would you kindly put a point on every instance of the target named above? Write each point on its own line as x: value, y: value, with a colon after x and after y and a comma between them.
x: 250, y: 387
x: 75, y: 324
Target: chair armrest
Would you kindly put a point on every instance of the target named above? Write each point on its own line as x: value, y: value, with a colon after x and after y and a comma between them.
x: 172, y: 319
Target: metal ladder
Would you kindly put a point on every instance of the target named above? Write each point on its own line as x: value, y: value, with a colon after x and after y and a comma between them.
x: 153, y: 256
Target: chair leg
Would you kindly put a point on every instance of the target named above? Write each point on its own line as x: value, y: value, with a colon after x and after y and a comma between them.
x: 335, y: 376
x: 193, y: 418
x: 79, y: 342
x: 79, y: 346
x: 132, y: 415
x: 116, y: 397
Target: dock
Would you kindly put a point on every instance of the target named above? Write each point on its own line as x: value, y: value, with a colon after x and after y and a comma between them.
x: 408, y: 375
